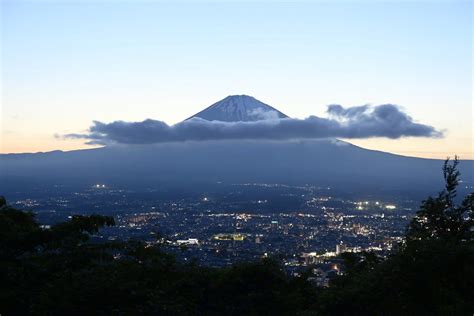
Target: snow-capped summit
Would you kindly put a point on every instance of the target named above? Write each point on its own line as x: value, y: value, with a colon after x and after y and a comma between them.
x: 237, y: 108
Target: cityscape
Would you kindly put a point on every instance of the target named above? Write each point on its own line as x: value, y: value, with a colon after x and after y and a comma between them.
x: 222, y: 228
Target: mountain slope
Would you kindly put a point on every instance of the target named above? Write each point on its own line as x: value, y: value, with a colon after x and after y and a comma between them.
x: 319, y: 162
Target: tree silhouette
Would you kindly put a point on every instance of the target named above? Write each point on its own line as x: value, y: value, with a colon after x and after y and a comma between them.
x: 440, y: 217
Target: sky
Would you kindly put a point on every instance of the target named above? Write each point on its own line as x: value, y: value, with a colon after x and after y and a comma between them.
x: 66, y: 64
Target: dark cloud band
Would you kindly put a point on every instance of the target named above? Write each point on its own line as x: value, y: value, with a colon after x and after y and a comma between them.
x: 366, y: 121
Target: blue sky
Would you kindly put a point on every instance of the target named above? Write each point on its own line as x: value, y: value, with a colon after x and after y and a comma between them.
x: 65, y: 64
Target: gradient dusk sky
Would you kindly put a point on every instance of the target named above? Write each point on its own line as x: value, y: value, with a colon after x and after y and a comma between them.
x: 65, y: 64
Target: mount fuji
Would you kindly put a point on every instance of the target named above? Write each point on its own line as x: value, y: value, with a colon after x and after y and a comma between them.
x: 324, y: 162
x: 239, y: 108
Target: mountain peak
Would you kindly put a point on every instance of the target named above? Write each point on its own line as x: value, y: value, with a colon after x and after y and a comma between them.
x: 239, y: 108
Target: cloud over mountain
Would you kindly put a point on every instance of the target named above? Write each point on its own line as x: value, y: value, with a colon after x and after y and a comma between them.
x: 365, y: 121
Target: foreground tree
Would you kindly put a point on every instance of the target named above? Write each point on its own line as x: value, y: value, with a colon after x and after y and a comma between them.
x: 440, y: 217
